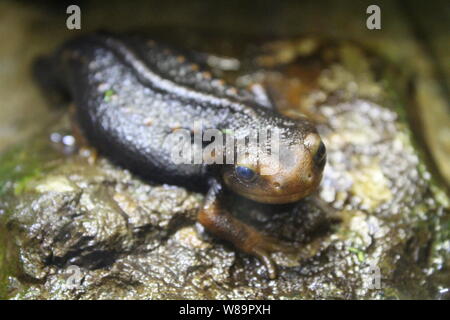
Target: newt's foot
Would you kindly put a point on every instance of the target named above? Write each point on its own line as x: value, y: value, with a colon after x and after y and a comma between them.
x: 263, y: 246
x: 220, y: 222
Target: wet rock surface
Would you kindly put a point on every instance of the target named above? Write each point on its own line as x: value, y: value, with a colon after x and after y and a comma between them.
x: 82, y: 228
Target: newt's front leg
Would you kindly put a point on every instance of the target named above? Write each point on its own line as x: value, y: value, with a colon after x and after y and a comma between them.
x: 222, y: 224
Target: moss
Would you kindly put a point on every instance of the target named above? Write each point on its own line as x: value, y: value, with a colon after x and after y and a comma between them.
x: 108, y: 95
x: 391, y: 294
x: 24, y: 163
x: 359, y: 253
x: 18, y: 167
x: 9, y: 261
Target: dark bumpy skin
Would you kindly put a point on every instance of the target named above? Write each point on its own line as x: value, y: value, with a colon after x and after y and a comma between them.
x: 131, y: 93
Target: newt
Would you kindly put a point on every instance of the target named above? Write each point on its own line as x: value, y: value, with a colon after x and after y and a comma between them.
x: 131, y: 93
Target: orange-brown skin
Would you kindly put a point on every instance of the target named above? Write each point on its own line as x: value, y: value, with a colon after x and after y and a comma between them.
x: 296, y: 175
x: 244, y: 237
x: 299, y: 174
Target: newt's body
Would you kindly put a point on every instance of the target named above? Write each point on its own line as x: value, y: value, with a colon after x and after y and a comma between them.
x: 131, y: 94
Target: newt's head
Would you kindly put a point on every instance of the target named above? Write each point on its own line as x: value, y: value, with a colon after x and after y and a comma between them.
x: 288, y: 176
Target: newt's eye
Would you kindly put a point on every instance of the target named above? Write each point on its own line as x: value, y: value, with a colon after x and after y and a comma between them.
x: 245, y: 173
x: 321, y: 156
